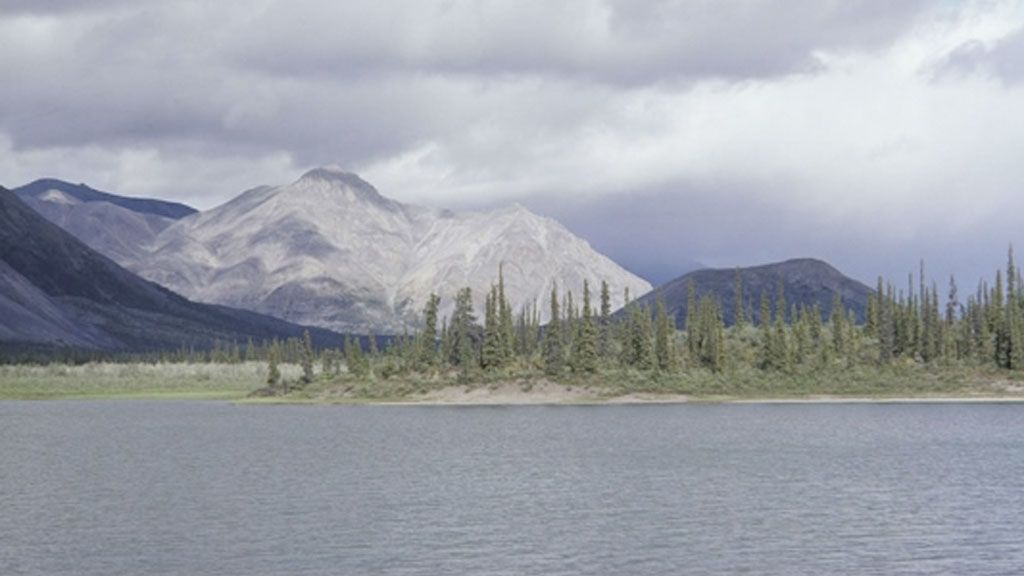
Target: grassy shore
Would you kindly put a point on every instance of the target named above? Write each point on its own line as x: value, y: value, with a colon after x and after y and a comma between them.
x: 239, y: 382
x: 134, y: 380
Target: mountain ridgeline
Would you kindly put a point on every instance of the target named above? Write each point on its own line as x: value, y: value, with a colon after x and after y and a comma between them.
x: 117, y: 227
x: 43, y: 188
x: 56, y: 292
x: 806, y: 283
x: 330, y: 250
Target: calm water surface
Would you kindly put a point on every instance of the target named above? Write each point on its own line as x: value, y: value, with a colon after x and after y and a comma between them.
x: 106, y: 488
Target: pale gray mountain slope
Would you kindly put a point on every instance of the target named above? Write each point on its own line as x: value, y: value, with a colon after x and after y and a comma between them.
x: 329, y: 250
x: 119, y: 233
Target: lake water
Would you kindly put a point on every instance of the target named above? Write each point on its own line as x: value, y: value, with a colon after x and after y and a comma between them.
x: 107, y: 488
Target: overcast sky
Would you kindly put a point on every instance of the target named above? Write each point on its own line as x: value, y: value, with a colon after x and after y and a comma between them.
x: 867, y: 133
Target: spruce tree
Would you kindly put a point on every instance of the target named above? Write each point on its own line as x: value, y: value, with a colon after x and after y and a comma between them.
x: 767, y: 349
x: 780, y: 342
x: 780, y: 300
x: 490, y: 353
x: 447, y: 344
x: 605, y: 321
x: 739, y: 319
x: 710, y: 334
x: 585, y: 348
x: 356, y: 361
x: 838, y: 325
x: 554, y: 360
x: 506, y: 329
x: 886, y: 327
x: 662, y: 337
x: 692, y: 347
x: 307, y: 357
x: 642, y: 336
x: 428, y: 338
x: 273, y: 373
x: 461, y: 331
x: 1010, y: 353
x: 569, y: 312
x: 801, y: 336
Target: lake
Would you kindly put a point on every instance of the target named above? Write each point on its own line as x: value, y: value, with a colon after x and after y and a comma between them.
x: 204, y: 488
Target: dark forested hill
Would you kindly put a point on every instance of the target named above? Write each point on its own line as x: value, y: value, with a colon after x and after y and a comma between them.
x: 806, y: 282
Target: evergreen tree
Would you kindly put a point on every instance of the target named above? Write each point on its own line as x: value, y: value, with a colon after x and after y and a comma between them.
x: 801, y: 336
x: 585, y: 348
x: 307, y: 358
x: 428, y: 338
x: 371, y: 345
x: 357, y: 363
x: 691, y: 320
x: 570, y: 321
x: 780, y: 342
x: 491, y: 352
x: 642, y: 329
x: 273, y: 373
x: 998, y: 324
x: 662, y: 336
x: 838, y: 325
x: 886, y: 327
x: 447, y: 344
x: 554, y: 359
x: 780, y: 300
x: 709, y: 332
x: 461, y: 332
x: 766, y: 353
x: 739, y: 319
x: 605, y: 321
x: 506, y: 329
x: 1010, y: 353
x: 953, y: 302
x: 871, y: 324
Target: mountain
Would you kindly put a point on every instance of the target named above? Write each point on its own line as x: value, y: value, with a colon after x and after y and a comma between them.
x: 86, y: 195
x: 805, y: 282
x: 56, y: 291
x: 330, y: 250
x: 116, y: 226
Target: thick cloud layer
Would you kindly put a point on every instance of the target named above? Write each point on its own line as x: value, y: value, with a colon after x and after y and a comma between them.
x: 666, y: 132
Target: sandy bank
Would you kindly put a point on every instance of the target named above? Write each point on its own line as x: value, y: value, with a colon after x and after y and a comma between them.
x: 546, y: 392
x: 537, y: 393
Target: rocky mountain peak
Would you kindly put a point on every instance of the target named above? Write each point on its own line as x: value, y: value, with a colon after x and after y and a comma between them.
x: 335, y: 179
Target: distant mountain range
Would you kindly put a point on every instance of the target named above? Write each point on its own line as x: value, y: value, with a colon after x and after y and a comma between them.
x: 330, y: 250
x: 57, y: 292
x: 116, y: 226
x: 806, y: 282
x: 82, y: 194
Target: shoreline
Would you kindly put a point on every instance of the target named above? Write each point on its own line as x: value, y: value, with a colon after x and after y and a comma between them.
x: 459, y: 397
x: 546, y: 393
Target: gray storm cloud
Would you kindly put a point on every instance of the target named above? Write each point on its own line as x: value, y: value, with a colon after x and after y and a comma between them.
x: 665, y: 132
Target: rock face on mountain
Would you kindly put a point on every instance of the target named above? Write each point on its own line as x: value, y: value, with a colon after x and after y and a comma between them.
x: 56, y: 291
x: 329, y: 250
x: 118, y: 227
x: 806, y: 282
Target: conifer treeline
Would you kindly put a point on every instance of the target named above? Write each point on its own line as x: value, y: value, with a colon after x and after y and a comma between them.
x: 909, y: 325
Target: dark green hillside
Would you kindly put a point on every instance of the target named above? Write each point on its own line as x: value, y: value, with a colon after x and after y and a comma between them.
x: 806, y: 282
